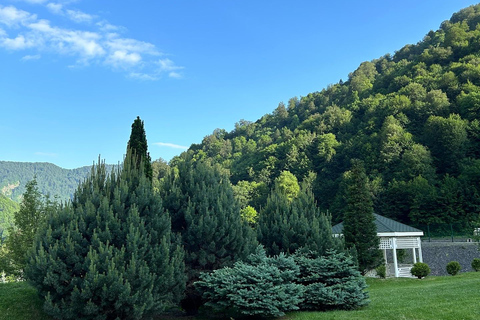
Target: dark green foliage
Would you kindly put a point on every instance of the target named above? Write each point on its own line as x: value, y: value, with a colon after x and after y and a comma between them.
x: 262, y: 287
x: 31, y: 216
x: 331, y: 281
x: 138, y: 146
x: 381, y: 271
x: 285, y: 225
x: 109, y: 254
x: 200, y: 200
x: 420, y: 270
x: 476, y: 264
x: 453, y: 267
x: 359, y: 227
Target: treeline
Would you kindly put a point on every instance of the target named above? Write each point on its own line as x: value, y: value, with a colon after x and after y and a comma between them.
x: 7, y: 209
x: 127, y: 247
x: 413, y: 118
x: 52, y: 180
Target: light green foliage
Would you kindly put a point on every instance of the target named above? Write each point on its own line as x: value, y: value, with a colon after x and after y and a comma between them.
x: 420, y: 270
x: 476, y: 264
x: 109, y: 254
x: 34, y: 209
x: 7, y: 209
x: 249, y: 214
x: 262, y: 287
x: 287, y: 183
x: 453, y: 267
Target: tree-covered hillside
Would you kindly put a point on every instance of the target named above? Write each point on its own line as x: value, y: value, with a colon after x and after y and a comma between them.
x: 52, y: 180
x: 7, y: 208
x: 412, y: 118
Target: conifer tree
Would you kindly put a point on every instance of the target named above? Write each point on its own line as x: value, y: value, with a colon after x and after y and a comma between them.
x: 205, y: 214
x: 286, y: 226
x: 138, y: 145
x: 359, y: 227
x: 109, y: 253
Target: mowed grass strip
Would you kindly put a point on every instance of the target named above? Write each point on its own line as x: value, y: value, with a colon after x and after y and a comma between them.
x: 446, y: 298
x: 19, y: 301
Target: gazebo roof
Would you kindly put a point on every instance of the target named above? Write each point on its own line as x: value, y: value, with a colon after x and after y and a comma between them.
x: 385, y: 227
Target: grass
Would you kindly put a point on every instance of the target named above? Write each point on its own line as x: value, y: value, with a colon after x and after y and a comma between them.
x: 445, y: 298
x: 19, y: 301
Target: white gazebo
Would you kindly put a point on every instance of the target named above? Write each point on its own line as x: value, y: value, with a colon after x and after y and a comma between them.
x: 394, y: 235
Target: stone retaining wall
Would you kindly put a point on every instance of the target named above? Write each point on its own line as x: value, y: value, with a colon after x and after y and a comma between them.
x: 438, y: 254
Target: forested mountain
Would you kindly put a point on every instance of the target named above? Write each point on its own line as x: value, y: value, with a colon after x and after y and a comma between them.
x: 411, y: 117
x: 52, y: 180
x: 7, y: 208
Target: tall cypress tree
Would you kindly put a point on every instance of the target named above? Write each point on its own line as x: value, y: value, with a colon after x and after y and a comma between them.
x: 109, y: 253
x: 205, y: 214
x: 359, y: 227
x: 138, y: 145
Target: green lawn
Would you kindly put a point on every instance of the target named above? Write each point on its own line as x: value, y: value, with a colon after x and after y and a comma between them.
x: 431, y: 298
x: 447, y: 297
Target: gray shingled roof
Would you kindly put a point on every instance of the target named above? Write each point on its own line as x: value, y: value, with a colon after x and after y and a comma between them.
x: 383, y: 225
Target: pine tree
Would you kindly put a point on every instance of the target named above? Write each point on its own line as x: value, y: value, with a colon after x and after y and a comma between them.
x: 359, y: 227
x: 205, y: 214
x: 286, y: 225
x: 33, y: 211
x: 109, y: 254
x: 138, y: 145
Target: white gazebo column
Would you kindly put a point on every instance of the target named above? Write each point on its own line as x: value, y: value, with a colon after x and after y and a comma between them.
x: 414, y: 256
x: 395, y: 264
x: 420, y: 258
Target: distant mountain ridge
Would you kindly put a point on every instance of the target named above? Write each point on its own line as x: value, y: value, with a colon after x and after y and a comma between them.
x: 52, y: 179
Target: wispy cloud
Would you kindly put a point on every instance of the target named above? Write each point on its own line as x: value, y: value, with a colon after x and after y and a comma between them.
x: 170, y: 145
x: 31, y: 57
x: 98, y: 43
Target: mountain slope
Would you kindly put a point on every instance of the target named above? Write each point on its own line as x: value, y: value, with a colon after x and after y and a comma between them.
x: 413, y: 118
x: 52, y: 180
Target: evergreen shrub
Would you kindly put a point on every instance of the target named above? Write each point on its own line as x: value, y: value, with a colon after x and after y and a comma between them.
x: 331, y: 281
x: 261, y: 287
x: 420, y: 270
x: 381, y: 271
x: 453, y: 267
x: 270, y: 286
x: 476, y: 264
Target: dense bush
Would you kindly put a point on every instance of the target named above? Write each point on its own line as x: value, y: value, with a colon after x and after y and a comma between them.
x: 420, y: 270
x: 453, y: 267
x: 331, y: 282
x: 476, y: 264
x: 270, y: 286
x: 261, y: 287
x: 381, y: 271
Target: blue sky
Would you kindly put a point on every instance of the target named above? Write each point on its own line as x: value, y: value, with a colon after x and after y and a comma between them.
x: 75, y: 74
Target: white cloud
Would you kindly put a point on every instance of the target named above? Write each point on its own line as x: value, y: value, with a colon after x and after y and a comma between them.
x: 31, y: 57
x: 12, y: 16
x: 56, y: 8
x: 170, y: 145
x: 18, y: 43
x: 79, y: 16
x: 101, y: 44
